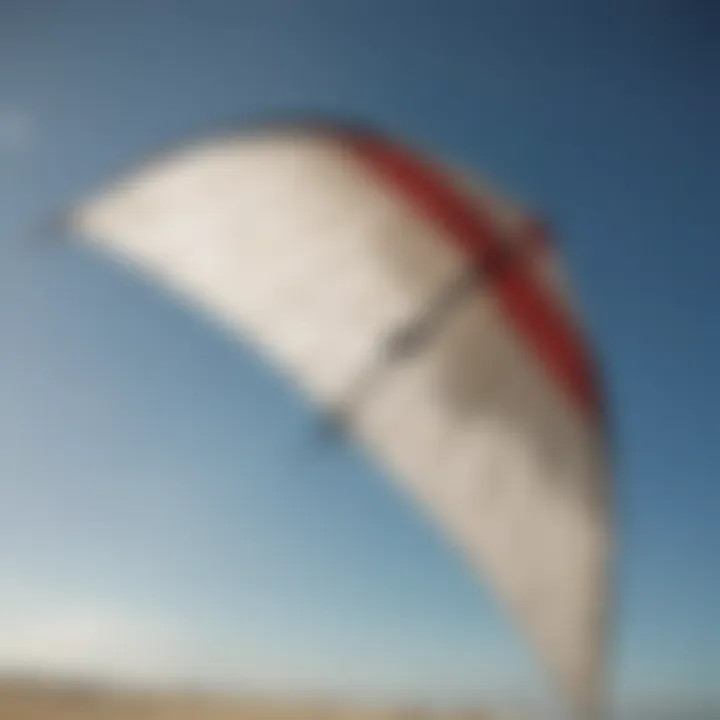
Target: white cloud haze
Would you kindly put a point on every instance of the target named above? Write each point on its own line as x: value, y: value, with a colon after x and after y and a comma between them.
x: 88, y: 640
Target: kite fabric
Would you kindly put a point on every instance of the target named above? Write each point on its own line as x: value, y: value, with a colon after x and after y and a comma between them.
x: 426, y: 313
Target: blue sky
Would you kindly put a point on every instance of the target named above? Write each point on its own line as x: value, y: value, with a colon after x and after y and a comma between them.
x: 151, y: 497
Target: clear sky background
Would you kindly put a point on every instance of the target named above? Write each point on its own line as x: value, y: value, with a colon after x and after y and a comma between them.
x: 154, y: 519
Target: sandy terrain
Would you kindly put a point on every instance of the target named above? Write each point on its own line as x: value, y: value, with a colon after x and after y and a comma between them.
x: 33, y: 700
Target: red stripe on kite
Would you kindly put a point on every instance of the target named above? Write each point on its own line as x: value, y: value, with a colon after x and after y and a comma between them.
x: 537, y: 316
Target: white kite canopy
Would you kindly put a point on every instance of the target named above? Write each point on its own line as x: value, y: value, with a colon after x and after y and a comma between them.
x: 428, y: 316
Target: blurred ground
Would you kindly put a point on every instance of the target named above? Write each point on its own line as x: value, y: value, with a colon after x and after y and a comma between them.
x: 36, y: 700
